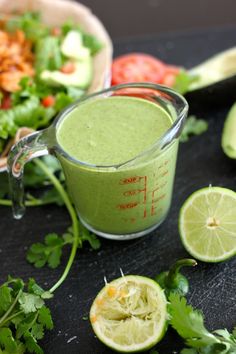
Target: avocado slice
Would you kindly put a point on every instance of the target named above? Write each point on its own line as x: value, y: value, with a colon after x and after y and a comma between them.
x: 72, y: 46
x: 216, y: 82
x: 81, y: 77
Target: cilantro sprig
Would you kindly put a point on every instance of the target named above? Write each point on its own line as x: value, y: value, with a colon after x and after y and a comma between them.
x: 23, y: 314
x: 24, y: 317
x: 189, y: 323
x: 50, y: 251
x: 193, y: 126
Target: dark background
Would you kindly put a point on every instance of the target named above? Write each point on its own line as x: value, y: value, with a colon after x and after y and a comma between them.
x: 139, y: 17
x: 200, y: 162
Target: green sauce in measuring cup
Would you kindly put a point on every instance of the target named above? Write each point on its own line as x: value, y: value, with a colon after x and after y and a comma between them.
x: 118, y: 202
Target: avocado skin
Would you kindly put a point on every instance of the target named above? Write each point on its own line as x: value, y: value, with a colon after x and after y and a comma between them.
x: 220, y: 94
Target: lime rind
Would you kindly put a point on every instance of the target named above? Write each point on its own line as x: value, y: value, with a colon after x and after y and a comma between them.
x: 207, y: 244
x: 130, y: 314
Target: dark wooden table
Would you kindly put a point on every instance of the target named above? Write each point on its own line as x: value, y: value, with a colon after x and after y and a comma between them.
x: 201, y: 161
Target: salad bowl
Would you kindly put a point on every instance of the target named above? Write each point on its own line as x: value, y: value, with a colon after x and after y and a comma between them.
x: 54, y: 14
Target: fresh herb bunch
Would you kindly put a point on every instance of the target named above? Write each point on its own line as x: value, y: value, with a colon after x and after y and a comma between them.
x: 189, y: 323
x: 23, y: 316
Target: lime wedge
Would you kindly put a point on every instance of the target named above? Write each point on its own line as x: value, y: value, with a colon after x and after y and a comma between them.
x: 207, y: 224
x: 130, y: 314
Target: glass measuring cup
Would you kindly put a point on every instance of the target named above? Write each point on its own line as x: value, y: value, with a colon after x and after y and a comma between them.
x: 122, y: 201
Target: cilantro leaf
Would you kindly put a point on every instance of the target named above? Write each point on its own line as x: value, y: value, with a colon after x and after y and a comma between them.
x: 27, y: 318
x: 7, y: 341
x: 45, y: 317
x: 37, y: 331
x: 5, y: 298
x: 34, y: 288
x: 30, y: 302
x: 193, y: 126
x: 183, y: 81
x: 189, y: 323
x: 48, y: 252
x: 32, y: 345
x: 92, y: 239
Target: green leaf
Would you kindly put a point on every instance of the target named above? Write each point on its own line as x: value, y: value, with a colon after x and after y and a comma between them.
x: 193, y: 126
x: 48, y: 54
x: 5, y: 298
x: 54, y: 258
x: 53, y: 240
x: 92, y: 43
x: 189, y: 351
x: 34, y: 288
x: 45, y: 317
x: 183, y: 81
x: 68, y: 237
x: 90, y: 237
x: 37, y: 331
x: 7, y: 341
x: 189, y: 323
x: 32, y: 345
x: 30, y: 302
x: 234, y: 332
x: 25, y: 325
x: 30, y: 23
x: 48, y: 253
x: 62, y: 100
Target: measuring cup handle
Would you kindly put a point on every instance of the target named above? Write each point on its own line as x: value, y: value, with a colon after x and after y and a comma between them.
x: 33, y: 145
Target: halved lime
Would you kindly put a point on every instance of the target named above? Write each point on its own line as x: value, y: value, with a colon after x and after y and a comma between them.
x: 130, y: 314
x: 207, y: 224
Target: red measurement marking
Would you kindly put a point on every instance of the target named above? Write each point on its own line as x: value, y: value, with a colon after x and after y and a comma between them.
x: 127, y: 205
x: 133, y: 192
x: 145, y: 190
x: 159, y: 198
x: 163, y: 184
x: 129, y: 220
x: 145, y: 213
x: 134, y: 179
x: 155, y: 211
x: 164, y: 173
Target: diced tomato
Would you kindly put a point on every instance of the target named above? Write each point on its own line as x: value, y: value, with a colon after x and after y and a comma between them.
x: 137, y: 67
x: 68, y: 68
x: 171, y: 69
x: 56, y: 31
x: 6, y: 102
x: 48, y: 101
x: 170, y: 75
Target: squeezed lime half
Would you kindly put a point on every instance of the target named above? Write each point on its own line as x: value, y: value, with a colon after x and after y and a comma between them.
x: 130, y: 314
x: 207, y: 224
